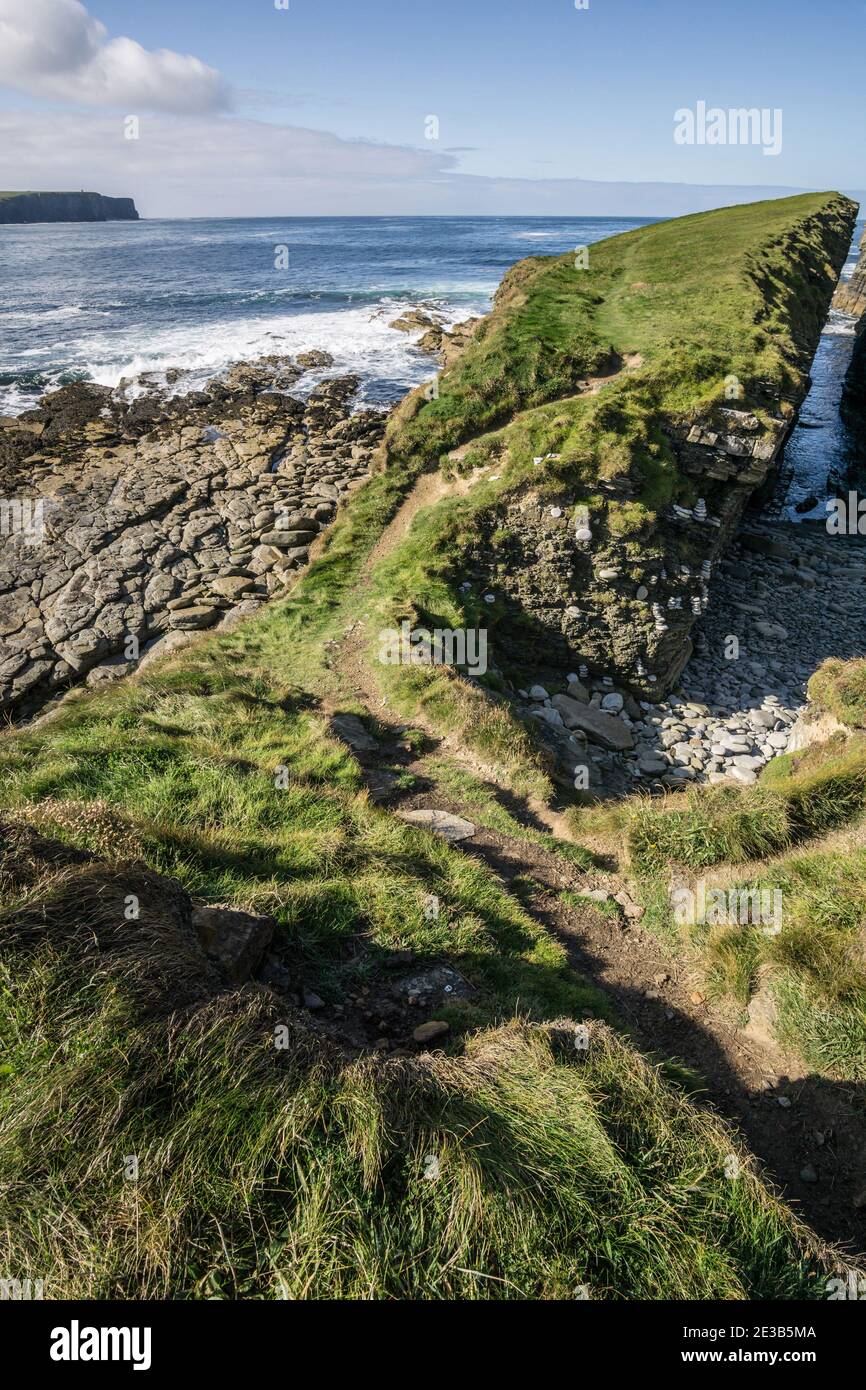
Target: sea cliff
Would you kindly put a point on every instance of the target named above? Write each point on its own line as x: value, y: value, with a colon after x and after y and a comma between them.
x: 65, y: 207
x: 851, y: 296
x: 612, y: 419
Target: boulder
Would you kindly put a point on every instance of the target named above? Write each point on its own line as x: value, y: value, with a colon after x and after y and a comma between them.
x: 426, y: 1032
x: 450, y: 827
x: 192, y: 619
x: 315, y: 358
x: 236, y: 940
x: 603, y: 729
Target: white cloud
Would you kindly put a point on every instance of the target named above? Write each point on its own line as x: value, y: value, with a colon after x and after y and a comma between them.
x: 55, y: 49
x: 199, y: 166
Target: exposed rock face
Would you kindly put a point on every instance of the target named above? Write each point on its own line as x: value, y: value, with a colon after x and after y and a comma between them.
x: 572, y: 603
x: 161, y: 517
x: 66, y: 207
x: 437, y: 340
x: 851, y: 297
x: 448, y: 343
x: 736, y: 710
x: 236, y: 940
x: 576, y: 586
x: 853, y: 407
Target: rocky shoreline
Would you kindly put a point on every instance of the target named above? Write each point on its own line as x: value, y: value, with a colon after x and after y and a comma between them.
x: 158, y: 517
x: 154, y: 515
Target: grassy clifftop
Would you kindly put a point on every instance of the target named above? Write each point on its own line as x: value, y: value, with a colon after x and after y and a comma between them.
x: 727, y: 292
x: 537, y: 1153
x: 666, y: 372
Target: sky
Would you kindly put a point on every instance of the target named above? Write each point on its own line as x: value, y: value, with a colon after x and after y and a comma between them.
x: 342, y: 107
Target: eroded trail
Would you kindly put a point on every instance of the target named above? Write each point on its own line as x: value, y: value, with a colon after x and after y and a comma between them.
x: 809, y: 1133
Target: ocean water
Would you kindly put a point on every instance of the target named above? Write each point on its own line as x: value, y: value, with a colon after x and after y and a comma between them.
x: 112, y: 300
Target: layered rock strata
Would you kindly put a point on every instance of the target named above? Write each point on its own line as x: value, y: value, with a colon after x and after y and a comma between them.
x: 127, y: 523
x: 596, y: 574
x: 850, y: 297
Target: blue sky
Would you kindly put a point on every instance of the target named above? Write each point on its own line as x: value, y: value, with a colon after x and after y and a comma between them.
x: 536, y: 91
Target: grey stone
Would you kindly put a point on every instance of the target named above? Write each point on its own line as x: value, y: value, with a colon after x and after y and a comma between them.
x: 199, y: 616
x: 599, y: 727
x: 450, y: 827
x: 351, y: 730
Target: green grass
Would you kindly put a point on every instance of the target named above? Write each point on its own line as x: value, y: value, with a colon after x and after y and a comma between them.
x: 799, y: 797
x: 306, y: 1172
x: 798, y: 831
x: 301, y: 1173
x: 483, y: 801
x: 722, y: 292
x: 815, y: 969
x: 190, y: 756
x: 525, y: 1168
x: 666, y: 312
x: 698, y: 298
x: 839, y: 688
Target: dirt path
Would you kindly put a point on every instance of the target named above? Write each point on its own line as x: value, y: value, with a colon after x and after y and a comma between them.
x: 808, y: 1133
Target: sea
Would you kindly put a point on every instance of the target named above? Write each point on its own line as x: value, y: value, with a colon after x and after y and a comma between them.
x: 111, y: 301
x: 104, y: 301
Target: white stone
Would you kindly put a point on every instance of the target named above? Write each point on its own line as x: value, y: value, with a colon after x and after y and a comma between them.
x: 744, y: 774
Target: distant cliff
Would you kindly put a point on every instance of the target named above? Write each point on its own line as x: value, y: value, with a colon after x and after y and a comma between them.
x: 65, y: 207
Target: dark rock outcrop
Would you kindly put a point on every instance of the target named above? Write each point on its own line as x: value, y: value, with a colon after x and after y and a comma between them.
x: 851, y: 299
x: 236, y: 940
x: 569, y: 602
x: 65, y: 207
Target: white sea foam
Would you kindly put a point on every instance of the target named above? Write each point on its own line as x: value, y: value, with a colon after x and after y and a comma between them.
x: 20, y: 317
x: 840, y: 325
x: 359, y: 339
